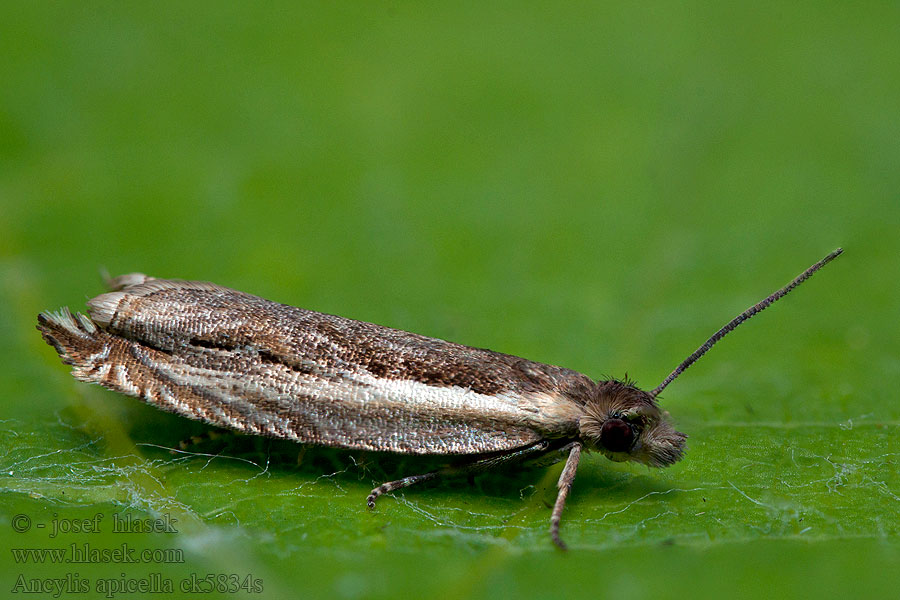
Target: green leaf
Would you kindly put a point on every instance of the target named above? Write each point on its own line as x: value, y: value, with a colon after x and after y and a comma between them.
x: 596, y: 186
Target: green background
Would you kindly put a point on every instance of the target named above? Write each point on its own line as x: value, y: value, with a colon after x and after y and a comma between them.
x: 595, y: 186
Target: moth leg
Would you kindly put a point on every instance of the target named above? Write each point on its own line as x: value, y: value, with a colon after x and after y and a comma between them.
x: 564, y: 484
x: 483, y: 464
x: 206, y: 436
x: 535, y: 451
x: 390, y: 486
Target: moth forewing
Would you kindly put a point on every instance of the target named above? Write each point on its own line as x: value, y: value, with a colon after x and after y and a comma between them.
x: 232, y: 359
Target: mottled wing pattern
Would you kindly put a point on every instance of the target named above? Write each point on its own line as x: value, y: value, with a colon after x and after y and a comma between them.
x: 239, y: 361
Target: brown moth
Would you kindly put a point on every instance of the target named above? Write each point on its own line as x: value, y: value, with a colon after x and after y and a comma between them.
x: 235, y: 360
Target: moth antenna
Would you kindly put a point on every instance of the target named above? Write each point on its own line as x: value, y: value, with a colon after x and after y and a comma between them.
x: 756, y: 308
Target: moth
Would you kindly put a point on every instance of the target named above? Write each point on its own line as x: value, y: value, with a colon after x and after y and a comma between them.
x: 239, y: 361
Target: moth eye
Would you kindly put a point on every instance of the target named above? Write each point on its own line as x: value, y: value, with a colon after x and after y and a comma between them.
x: 616, y: 435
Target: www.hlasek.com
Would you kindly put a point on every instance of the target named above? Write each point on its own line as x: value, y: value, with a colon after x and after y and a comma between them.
x: 76, y: 553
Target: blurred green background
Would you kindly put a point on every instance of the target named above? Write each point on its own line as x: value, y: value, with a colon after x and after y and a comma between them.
x: 599, y: 186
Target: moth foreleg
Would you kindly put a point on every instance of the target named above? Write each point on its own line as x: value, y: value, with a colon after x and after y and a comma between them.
x: 564, y: 484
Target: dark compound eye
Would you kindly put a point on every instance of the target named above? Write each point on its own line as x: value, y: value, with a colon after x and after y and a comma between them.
x: 616, y: 435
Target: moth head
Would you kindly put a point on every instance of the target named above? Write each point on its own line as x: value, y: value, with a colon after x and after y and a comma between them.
x: 624, y: 423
